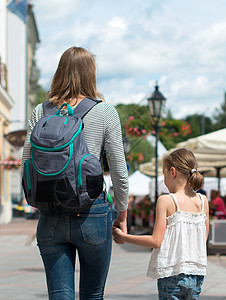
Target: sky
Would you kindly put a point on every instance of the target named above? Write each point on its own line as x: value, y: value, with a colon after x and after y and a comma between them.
x: 180, y: 44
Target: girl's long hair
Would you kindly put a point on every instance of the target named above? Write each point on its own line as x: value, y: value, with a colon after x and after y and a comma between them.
x: 184, y: 161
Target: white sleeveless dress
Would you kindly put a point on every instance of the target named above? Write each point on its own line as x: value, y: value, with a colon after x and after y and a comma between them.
x: 183, y: 249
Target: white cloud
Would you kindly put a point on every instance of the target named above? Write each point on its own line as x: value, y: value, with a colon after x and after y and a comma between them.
x: 180, y: 43
x: 118, y: 23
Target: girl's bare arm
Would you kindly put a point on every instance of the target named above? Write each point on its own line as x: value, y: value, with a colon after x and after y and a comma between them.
x: 150, y: 241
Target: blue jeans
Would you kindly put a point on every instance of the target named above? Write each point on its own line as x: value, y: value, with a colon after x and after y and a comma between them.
x: 89, y: 234
x: 187, y: 287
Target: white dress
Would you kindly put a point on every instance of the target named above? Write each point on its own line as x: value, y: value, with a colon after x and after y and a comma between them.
x: 183, y: 249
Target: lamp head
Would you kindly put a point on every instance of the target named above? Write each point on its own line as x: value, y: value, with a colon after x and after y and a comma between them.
x: 156, y: 103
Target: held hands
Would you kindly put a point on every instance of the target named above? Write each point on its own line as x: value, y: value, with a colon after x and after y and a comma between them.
x: 121, y: 224
x: 118, y: 235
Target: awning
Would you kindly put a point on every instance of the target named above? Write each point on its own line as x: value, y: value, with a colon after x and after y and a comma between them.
x: 16, y: 138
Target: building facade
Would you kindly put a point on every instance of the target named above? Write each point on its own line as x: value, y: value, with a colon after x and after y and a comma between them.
x: 6, y: 104
x: 18, y: 84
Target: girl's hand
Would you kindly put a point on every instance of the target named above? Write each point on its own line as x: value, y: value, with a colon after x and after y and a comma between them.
x: 117, y: 234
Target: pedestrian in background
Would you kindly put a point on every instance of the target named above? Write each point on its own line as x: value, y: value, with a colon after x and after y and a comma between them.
x: 179, y: 258
x: 130, y: 215
x: 217, y: 205
x: 89, y: 233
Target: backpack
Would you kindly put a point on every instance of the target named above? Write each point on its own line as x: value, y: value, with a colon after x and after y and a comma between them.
x: 61, y: 175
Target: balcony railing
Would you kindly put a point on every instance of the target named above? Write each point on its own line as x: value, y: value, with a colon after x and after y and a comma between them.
x: 3, y: 75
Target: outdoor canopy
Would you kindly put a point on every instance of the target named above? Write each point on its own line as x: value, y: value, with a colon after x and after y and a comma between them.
x: 139, y: 184
x: 210, y: 151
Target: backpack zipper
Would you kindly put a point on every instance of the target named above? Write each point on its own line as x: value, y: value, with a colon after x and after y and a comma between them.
x: 55, y: 149
x: 65, y: 122
x: 80, y: 173
x: 56, y: 173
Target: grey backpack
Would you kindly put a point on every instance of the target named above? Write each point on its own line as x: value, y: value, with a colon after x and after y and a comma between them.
x: 61, y: 175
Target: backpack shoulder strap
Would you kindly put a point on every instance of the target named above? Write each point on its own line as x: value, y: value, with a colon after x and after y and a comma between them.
x: 85, y: 106
x: 49, y: 108
x: 80, y: 111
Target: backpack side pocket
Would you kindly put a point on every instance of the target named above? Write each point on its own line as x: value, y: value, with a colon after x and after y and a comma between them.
x: 29, y: 183
x: 90, y: 177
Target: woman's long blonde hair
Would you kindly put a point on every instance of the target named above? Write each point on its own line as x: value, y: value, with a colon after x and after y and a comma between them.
x: 75, y: 75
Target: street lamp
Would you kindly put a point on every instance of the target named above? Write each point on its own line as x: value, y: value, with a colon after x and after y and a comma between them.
x: 126, y: 144
x: 156, y: 103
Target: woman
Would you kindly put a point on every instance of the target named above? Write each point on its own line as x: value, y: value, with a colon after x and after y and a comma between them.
x: 61, y: 236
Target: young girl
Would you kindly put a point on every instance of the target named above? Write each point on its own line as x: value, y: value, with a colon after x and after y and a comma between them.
x: 179, y: 259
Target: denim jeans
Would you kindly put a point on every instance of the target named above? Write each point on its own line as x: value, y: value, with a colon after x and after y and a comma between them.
x: 187, y: 287
x: 89, y: 234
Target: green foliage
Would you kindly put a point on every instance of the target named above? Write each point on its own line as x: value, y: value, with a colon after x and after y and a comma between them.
x: 139, y: 112
x: 140, y: 151
x: 41, y: 95
x: 199, y: 124
x: 220, y: 116
x: 173, y: 132
x: 137, y: 124
x: 169, y: 114
x: 137, y: 127
x: 138, y: 145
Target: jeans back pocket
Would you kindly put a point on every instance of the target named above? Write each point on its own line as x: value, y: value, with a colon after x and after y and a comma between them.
x: 94, y: 227
x: 46, y: 227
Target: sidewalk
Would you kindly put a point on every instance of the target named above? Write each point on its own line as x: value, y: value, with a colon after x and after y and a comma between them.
x: 22, y: 276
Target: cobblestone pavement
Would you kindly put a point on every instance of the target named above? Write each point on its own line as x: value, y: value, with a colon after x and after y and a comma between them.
x: 22, y: 275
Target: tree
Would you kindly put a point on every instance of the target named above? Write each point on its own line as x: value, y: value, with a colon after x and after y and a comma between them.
x: 220, y: 115
x: 199, y: 124
x: 174, y: 131
x: 139, y: 112
x: 140, y: 150
x: 41, y: 95
x: 137, y: 124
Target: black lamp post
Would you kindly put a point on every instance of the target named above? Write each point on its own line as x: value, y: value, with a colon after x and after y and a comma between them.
x: 156, y: 103
x: 126, y: 144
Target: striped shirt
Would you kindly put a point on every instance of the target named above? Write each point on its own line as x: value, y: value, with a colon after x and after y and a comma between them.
x: 102, y: 128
